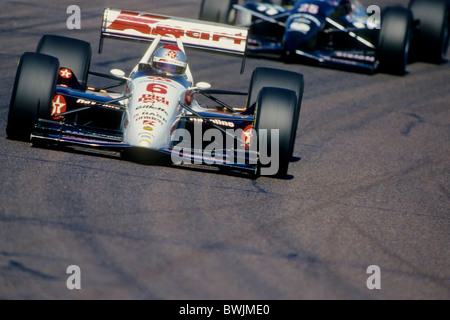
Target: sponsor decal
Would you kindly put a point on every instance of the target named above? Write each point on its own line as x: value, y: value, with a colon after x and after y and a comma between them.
x: 355, y: 56
x: 155, y: 115
x: 157, y: 120
x: 172, y: 54
x: 156, y: 89
x: 159, y: 79
x: 152, y: 107
x: 146, y: 135
x: 145, y: 140
x: 215, y: 121
x: 59, y: 105
x: 82, y: 101
x: 142, y: 23
x: 94, y: 103
x: 149, y: 124
x: 153, y: 98
x: 172, y: 61
x: 300, y: 26
x: 65, y: 73
x: 247, y: 135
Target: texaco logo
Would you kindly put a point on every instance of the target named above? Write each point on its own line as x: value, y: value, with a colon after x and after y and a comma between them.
x: 65, y: 73
x: 59, y: 105
x: 247, y: 135
x: 172, y: 54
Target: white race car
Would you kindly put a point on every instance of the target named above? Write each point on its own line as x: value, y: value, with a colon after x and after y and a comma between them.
x: 156, y: 112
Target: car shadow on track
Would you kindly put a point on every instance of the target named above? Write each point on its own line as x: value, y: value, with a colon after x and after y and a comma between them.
x: 158, y: 159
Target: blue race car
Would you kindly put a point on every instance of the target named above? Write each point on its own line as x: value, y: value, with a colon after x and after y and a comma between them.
x: 340, y: 33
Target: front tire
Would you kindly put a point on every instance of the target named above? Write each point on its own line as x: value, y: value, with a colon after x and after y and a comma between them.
x: 276, y: 110
x: 269, y: 77
x: 276, y: 78
x: 394, y: 40
x: 33, y: 92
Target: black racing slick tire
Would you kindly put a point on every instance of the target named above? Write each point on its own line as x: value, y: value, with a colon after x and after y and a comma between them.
x: 269, y: 77
x: 276, y: 78
x: 33, y: 92
x: 217, y: 11
x: 72, y: 53
x: 430, y: 42
x: 394, y: 40
x: 275, y: 110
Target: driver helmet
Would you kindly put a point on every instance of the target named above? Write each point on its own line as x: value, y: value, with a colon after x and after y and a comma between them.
x: 169, y: 59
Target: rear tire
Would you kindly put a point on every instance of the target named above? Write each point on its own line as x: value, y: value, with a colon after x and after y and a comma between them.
x: 276, y: 109
x: 218, y: 11
x: 72, y: 53
x: 394, y: 40
x: 432, y: 39
x: 33, y: 92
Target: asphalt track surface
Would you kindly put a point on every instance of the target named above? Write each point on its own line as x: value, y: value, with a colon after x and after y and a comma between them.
x: 370, y: 186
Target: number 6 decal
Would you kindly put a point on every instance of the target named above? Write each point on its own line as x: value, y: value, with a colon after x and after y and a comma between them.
x: 157, y: 88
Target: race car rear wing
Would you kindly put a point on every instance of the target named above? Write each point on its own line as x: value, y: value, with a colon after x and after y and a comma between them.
x: 141, y: 26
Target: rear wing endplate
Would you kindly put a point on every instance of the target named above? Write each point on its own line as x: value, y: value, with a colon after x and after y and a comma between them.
x: 196, y: 34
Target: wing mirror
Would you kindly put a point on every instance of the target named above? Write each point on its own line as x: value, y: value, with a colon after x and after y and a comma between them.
x: 203, y: 86
x: 118, y: 73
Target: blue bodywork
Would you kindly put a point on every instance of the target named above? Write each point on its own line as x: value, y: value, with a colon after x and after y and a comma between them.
x: 333, y: 32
